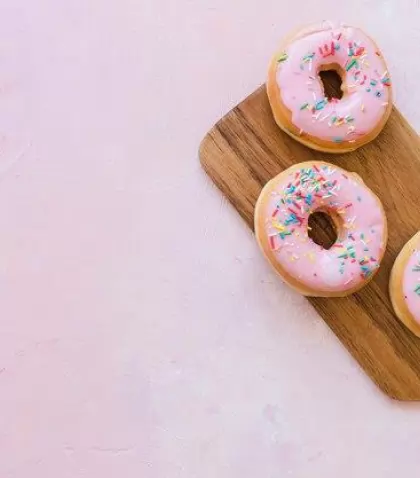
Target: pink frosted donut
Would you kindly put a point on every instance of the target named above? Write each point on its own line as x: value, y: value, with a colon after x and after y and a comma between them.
x: 281, y: 228
x: 404, y: 286
x: 297, y: 96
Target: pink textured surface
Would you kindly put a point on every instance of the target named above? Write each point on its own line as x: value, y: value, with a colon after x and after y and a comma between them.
x: 142, y: 334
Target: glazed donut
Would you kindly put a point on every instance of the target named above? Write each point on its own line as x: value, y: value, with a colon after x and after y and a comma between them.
x: 281, y: 227
x: 404, y: 286
x: 297, y: 96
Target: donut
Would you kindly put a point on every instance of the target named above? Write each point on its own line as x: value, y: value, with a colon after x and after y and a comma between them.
x: 298, y: 100
x: 281, y: 227
x: 404, y: 286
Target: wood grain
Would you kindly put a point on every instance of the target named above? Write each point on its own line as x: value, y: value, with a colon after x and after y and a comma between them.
x: 245, y: 149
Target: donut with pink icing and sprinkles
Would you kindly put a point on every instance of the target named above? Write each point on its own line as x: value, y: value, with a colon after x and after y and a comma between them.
x: 296, y: 93
x: 404, y: 286
x: 281, y: 226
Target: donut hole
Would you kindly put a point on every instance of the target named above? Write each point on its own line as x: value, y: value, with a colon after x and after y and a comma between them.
x: 323, y: 229
x: 332, y: 82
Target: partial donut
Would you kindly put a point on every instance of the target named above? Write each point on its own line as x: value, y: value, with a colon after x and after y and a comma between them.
x: 404, y: 286
x: 298, y: 100
x: 281, y: 227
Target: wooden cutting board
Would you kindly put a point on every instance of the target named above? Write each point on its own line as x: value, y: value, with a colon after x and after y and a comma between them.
x: 246, y: 148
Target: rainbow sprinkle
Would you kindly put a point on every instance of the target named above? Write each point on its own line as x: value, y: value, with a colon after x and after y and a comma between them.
x: 307, y: 58
x: 353, y: 63
x: 386, y: 81
x: 321, y: 104
x: 282, y: 57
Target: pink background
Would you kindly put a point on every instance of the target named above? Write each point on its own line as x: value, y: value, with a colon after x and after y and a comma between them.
x: 142, y: 334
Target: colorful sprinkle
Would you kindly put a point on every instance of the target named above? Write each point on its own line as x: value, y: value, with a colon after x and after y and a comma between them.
x: 308, y: 57
x: 321, y: 104
x: 272, y: 243
x: 327, y: 50
x: 386, y: 81
x: 282, y: 57
x: 352, y: 64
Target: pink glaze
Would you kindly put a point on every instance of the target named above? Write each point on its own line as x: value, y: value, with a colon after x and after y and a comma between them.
x: 411, y: 283
x: 366, y: 82
x: 359, y: 247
